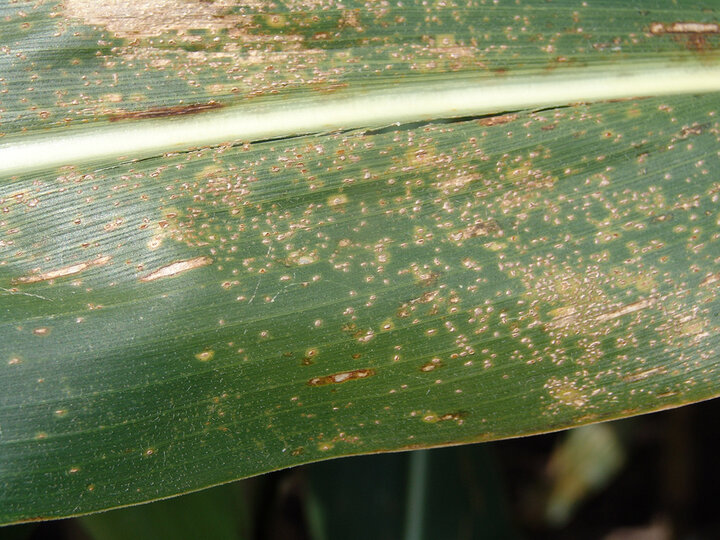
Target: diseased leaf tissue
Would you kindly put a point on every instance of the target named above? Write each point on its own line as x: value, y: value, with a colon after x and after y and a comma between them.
x: 178, y: 321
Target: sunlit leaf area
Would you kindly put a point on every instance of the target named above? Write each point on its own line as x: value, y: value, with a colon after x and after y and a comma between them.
x: 239, y: 238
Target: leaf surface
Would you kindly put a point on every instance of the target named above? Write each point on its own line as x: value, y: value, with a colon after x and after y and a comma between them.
x: 182, y: 312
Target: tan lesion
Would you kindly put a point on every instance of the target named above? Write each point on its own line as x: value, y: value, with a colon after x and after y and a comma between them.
x: 711, y: 280
x: 579, y: 301
x: 684, y: 27
x: 342, y: 377
x: 156, y: 17
x: 156, y: 33
x: 684, y: 326
x: 567, y: 392
x: 176, y: 268
x: 65, y: 271
x: 579, y: 297
x: 478, y: 228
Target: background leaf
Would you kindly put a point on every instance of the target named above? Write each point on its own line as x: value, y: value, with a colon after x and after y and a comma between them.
x: 189, y: 318
x: 218, y: 513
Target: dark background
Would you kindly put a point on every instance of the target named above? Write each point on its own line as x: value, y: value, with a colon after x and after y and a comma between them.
x: 666, y: 487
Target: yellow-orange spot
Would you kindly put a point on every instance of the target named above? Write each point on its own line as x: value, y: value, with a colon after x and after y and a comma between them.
x: 341, y: 377
x: 42, y: 331
x: 275, y: 20
x: 176, y: 268
x: 154, y: 243
x: 205, y: 356
x: 337, y: 201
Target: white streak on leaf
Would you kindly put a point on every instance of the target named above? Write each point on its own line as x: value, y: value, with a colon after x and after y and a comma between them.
x: 177, y: 268
x: 625, y: 310
x: 62, y: 272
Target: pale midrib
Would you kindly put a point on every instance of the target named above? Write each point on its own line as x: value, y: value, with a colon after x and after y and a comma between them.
x: 136, y: 139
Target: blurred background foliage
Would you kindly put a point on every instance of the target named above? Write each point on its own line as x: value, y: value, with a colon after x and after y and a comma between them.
x: 652, y: 477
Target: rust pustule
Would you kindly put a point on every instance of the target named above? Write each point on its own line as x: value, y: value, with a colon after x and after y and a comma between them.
x: 341, y: 377
x: 161, y: 112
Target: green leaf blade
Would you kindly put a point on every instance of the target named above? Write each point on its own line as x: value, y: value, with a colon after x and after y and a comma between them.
x: 196, y: 317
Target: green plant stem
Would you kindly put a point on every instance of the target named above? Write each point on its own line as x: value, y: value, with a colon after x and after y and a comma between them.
x: 417, y: 489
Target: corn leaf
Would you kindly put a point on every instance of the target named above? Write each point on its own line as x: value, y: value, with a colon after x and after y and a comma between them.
x: 237, y: 236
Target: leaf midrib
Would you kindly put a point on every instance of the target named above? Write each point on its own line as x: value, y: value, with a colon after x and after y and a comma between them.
x: 405, y: 102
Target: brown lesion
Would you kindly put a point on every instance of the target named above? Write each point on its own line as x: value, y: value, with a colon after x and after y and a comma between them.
x: 711, y: 280
x: 497, y: 120
x: 658, y: 28
x: 155, y: 17
x: 162, y: 112
x: 177, y: 267
x: 455, y: 416
x: 65, y: 271
x: 480, y: 227
x: 694, y: 32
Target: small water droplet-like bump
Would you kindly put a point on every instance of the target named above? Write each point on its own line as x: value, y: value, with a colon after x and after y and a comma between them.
x: 205, y: 356
x: 60, y: 412
x: 149, y: 452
